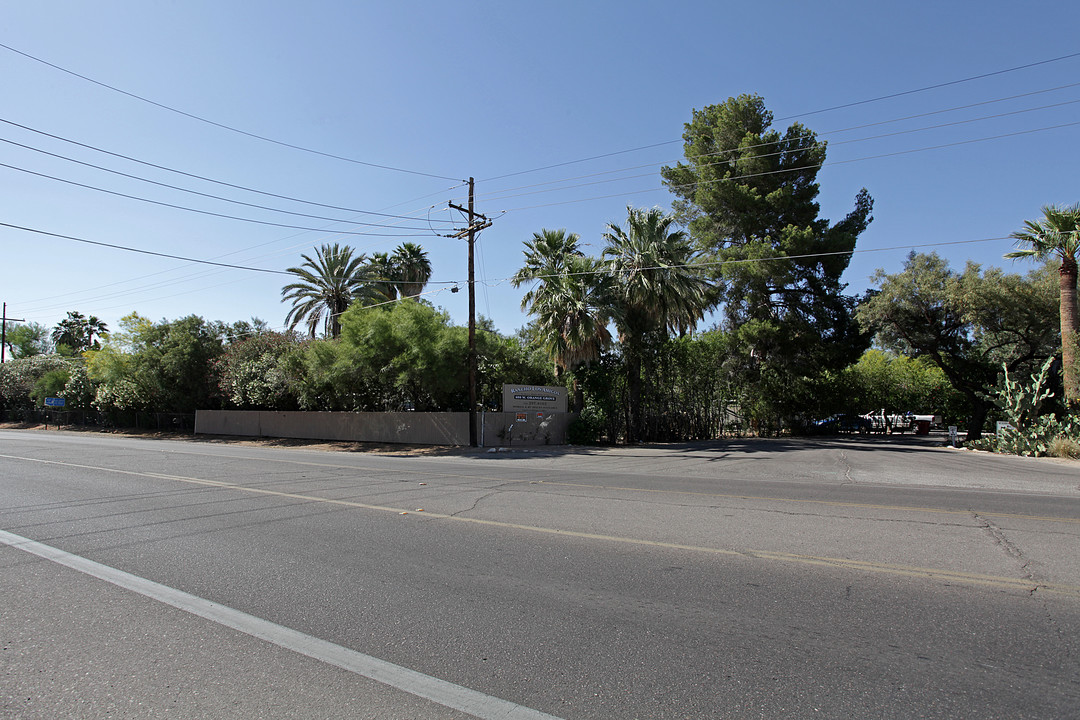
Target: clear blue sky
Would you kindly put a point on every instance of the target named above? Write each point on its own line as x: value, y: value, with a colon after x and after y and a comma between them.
x: 493, y: 90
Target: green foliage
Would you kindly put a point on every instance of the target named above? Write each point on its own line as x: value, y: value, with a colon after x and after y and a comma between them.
x: 336, y: 278
x: 27, y: 340
x: 51, y: 384
x: 251, y: 374
x: 965, y: 323
x: 653, y: 289
x: 19, y: 377
x: 163, y: 366
x: 570, y: 316
x: 748, y: 194
x: 1058, y: 234
x: 76, y: 333
x: 79, y: 391
x: 326, y: 285
x: 1030, y: 433
x: 895, y: 383
x: 406, y: 356
x: 586, y: 429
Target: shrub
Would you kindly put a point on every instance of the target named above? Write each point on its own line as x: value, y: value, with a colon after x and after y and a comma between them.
x: 1064, y: 447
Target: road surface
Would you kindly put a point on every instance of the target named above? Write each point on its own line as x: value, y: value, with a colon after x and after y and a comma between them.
x: 742, y: 579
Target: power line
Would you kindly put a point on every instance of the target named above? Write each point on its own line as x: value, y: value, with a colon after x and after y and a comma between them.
x: 805, y: 167
x: 747, y: 261
x: 206, y: 195
x: 213, y: 214
x: 931, y: 87
x: 200, y: 177
x: 804, y: 114
x: 143, y: 252
x: 221, y: 125
x: 496, y: 194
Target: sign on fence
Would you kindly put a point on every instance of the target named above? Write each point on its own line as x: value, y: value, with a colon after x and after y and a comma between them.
x: 517, y: 398
x: 54, y: 402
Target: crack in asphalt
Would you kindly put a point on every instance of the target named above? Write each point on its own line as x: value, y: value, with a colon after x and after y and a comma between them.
x: 1013, y: 550
x: 848, y: 480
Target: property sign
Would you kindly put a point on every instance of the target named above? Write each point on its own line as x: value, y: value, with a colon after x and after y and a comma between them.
x: 517, y: 398
x: 54, y: 402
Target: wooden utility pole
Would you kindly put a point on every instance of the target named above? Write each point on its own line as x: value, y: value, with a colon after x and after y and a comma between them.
x: 470, y: 232
x: 3, y: 329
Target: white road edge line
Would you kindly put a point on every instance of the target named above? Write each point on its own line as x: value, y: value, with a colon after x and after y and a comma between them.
x: 431, y: 688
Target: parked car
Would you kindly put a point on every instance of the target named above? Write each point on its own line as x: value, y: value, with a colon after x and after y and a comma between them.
x: 841, y: 423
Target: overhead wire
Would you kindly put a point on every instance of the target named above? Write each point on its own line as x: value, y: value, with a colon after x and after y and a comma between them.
x: 805, y: 167
x: 810, y: 135
x: 803, y: 114
x: 202, y: 194
x: 194, y: 176
x: 221, y: 125
x: 208, y: 212
x: 175, y: 281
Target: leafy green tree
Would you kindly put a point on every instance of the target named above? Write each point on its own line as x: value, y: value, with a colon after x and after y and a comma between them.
x: 967, y: 323
x: 76, y: 333
x: 251, y: 373
x: 162, y: 366
x: 19, y: 376
x: 27, y: 340
x: 895, y: 383
x: 326, y: 286
x: 1058, y: 234
x: 654, y: 290
x: 51, y: 384
x: 749, y: 196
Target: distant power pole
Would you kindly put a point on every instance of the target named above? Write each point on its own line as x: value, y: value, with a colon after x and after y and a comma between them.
x: 477, y: 222
x: 3, y: 326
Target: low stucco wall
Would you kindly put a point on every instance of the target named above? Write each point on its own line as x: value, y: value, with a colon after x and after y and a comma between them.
x: 494, y: 429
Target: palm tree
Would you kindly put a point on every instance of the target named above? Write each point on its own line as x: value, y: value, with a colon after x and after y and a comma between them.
x: 412, y: 269
x: 385, y: 273
x: 571, y: 319
x: 546, y: 257
x: 76, y: 332
x: 653, y: 289
x: 327, y: 284
x: 1058, y: 233
x: 94, y: 325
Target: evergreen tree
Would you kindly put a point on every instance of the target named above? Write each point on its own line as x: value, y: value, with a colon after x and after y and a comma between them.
x: 749, y: 197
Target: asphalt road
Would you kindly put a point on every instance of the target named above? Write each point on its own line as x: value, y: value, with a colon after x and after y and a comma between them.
x: 743, y: 579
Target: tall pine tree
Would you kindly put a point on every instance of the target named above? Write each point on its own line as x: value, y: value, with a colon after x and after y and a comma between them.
x: 749, y: 197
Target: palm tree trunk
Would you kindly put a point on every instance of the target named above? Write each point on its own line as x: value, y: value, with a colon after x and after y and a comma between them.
x: 633, y: 387
x: 1069, y: 321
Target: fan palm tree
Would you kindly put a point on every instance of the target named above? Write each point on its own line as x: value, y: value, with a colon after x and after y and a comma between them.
x: 652, y: 288
x: 571, y: 318
x: 566, y: 301
x: 385, y: 273
x: 412, y: 269
x: 327, y: 284
x: 546, y: 257
x: 1058, y: 233
x: 76, y: 332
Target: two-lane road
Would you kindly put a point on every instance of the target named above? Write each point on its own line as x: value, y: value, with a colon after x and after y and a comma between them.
x: 817, y: 578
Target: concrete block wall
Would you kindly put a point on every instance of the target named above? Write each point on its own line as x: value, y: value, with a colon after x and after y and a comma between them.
x: 494, y: 429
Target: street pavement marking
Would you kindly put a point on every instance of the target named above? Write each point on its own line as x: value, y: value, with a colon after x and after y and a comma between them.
x: 444, y: 693
x: 863, y: 565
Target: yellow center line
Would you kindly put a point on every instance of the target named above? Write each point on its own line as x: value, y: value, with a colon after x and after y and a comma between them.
x: 813, y: 560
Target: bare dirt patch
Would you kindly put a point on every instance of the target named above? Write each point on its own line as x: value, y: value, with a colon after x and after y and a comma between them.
x: 320, y: 445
